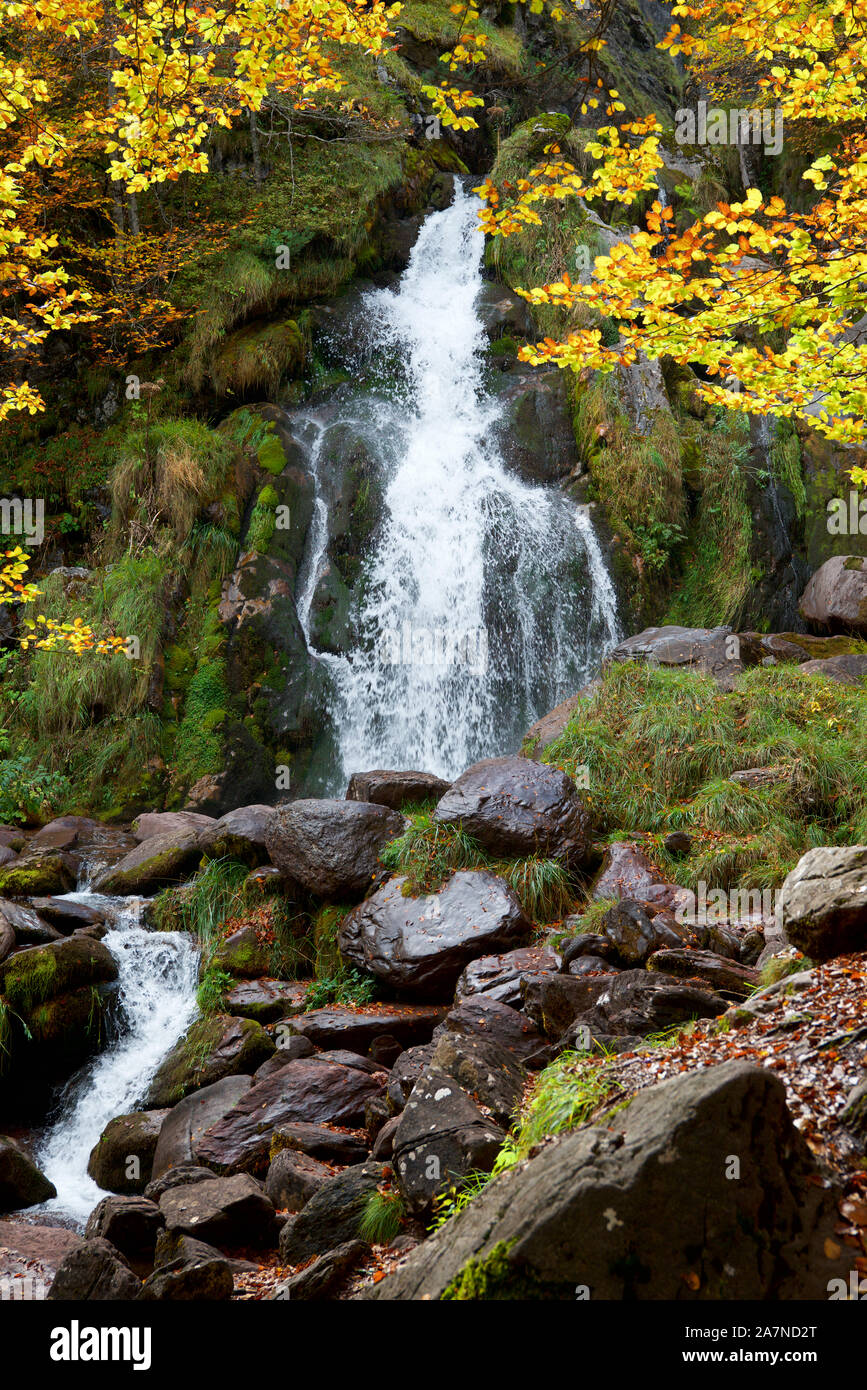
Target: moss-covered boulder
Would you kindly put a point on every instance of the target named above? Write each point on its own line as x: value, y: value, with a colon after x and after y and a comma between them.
x: 30, y: 977
x: 216, y: 1046
x: 122, y: 1158
x: 38, y: 875
x: 21, y: 1182
x: 241, y: 954
x: 158, y: 861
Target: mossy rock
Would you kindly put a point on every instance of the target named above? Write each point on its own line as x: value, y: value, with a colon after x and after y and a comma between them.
x: 257, y: 359
x: 216, y: 1046
x: 30, y: 977
x: 38, y: 876
x: 241, y: 954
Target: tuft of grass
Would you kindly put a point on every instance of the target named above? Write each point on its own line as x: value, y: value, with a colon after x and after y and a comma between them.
x: 345, y: 986
x: 382, y: 1217
x: 779, y: 967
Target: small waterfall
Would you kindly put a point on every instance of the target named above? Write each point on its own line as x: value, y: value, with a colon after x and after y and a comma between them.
x: 158, y: 972
x: 485, y: 600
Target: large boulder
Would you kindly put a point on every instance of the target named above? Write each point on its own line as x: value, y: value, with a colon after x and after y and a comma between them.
x: 65, y: 914
x: 332, y: 1215
x: 575, y: 1217
x: 153, y: 823
x: 189, y: 1120
x: 327, y: 1142
x: 636, y: 1003
x: 822, y: 907
x: 628, y: 873
x: 156, y: 862
x: 131, y: 1224
x: 217, y: 1045
x: 293, y: 1178
x: 491, y: 1076
x: 264, y: 999
x: 21, y: 1182
x: 242, y: 954
x: 308, y: 1090
x: 716, y: 652
x: 39, y: 872
x: 28, y: 978
x: 223, y: 1211
x: 123, y: 1156
x: 395, y: 789
x: 442, y: 1136
x: 422, y: 944
x: 500, y: 977
x: 338, y: 1026
x: 484, y: 1017
x: 332, y: 847
x: 94, y: 1271
x: 240, y: 834
x: 836, y: 596
x: 515, y: 807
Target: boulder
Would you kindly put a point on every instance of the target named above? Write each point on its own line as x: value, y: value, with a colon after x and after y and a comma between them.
x: 836, y: 595
x: 189, y: 1120
x: 846, y: 670
x: 356, y: 1029
x: 422, y: 944
x: 21, y: 1182
x: 289, y: 1049
x: 442, y: 1136
x: 332, y: 847
x: 395, y: 789
x: 223, y: 1211
x: 156, y: 862
x: 500, y: 977
x: 39, y: 873
x: 191, y: 1277
x: 30, y: 977
x: 152, y: 823
x: 641, y: 1002
x: 319, y: 1141
x: 322, y: 1275
x: 94, y: 1271
x: 131, y: 1224
x: 27, y: 926
x: 64, y: 832
x: 406, y: 1071
x: 332, y: 1216
x: 822, y: 907
x: 553, y: 1001
x: 723, y: 976
x: 65, y: 914
x: 626, y: 873
x: 216, y: 1046
x: 184, y: 1175
x: 576, y: 1215
x: 125, y: 1138
x: 293, y: 1178
x: 548, y: 729
x: 634, y: 934
x: 491, y: 1076
x: 241, y: 954
x: 484, y: 1017
x: 716, y: 652
x: 307, y: 1091
x: 240, y: 834
x: 264, y: 999
x: 516, y: 807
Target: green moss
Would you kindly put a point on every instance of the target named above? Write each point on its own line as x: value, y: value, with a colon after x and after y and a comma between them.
x: 199, y: 750
x: 494, y: 1277
x: 326, y: 926
x: 30, y: 979
x: 263, y: 521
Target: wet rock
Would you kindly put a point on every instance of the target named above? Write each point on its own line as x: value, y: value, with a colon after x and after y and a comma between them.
x: 321, y: 1277
x: 406, y: 1072
x: 30, y: 977
x: 122, y: 1159
x: 21, y: 1182
x: 152, y: 823
x: 549, y: 728
x: 442, y: 1136
x: 240, y: 834
x: 634, y: 934
x: 184, y: 1175
x: 481, y: 1016
x: 293, y: 1178
x: 641, y: 1002
x: 195, y: 1276
x: 326, y: 1142
x: 64, y: 914
x: 395, y: 789
x: 491, y: 1076
x: 190, y: 1119
x: 264, y: 999
x: 39, y: 873
x: 356, y: 1029
x: 822, y: 908
x: 714, y: 651
x: 500, y: 977
x: 555, y: 1001
x: 156, y: 862
x: 626, y: 873
x: 836, y: 595
x: 514, y: 806
x: 94, y: 1271
x: 725, y: 977
x: 216, y: 1046
x: 846, y: 670
x: 224, y: 1211
x: 332, y: 847
x: 333, y: 1214
x: 131, y: 1224
x: 422, y: 944
x: 242, y: 954
x: 27, y: 927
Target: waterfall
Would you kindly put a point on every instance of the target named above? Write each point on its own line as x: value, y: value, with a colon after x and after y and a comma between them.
x: 485, y: 599
x: 157, y: 979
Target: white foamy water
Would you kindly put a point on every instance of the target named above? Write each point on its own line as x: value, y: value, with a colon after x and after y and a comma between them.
x: 158, y: 973
x: 486, y: 600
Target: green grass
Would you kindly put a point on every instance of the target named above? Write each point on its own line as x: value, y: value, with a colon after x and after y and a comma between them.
x: 345, y: 986
x: 382, y: 1217
x: 660, y: 746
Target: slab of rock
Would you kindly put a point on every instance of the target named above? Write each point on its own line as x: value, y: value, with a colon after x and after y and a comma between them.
x: 224, y: 1211
x: 332, y: 847
x: 499, y: 977
x: 65, y: 914
x: 714, y: 651
x: 125, y: 1138
x: 724, y: 976
x: 131, y: 1224
x: 836, y: 595
x: 22, y: 1184
x: 515, y: 807
x: 442, y: 1136
x: 491, y: 1076
x: 822, y: 907
x: 155, y: 863
x: 189, y: 1120
x: 153, y: 823
x: 576, y: 1214
x: 395, y: 789
x: 34, y: 1252
x: 307, y: 1090
x: 216, y: 1046
x: 94, y: 1271
x: 321, y: 1277
x: 242, y: 954
x: 356, y: 1029
x: 641, y: 1002
x: 846, y: 670
x: 293, y: 1178
x: 240, y: 834
x: 326, y: 1142
x: 332, y: 1216
x: 264, y: 999
x: 484, y: 1017
x: 422, y: 944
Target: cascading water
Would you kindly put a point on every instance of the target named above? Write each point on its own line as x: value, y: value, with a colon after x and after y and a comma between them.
x: 485, y: 600
x: 157, y: 979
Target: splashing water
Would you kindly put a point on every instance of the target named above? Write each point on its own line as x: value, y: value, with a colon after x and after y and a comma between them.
x: 157, y: 979
x: 486, y: 599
